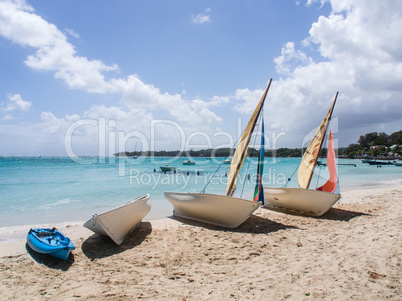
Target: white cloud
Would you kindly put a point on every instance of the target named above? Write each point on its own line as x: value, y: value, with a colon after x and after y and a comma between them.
x: 19, y: 24
x: 202, y: 17
x: 289, y: 59
x: 361, y: 58
x: 136, y: 93
x: 217, y: 101
x: 8, y: 117
x: 248, y: 99
x: 72, y: 33
x: 16, y: 103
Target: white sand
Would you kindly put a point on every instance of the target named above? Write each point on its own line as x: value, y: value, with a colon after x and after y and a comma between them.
x: 353, y: 252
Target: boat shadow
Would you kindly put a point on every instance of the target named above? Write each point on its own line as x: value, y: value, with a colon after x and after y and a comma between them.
x: 341, y: 215
x: 254, y: 224
x: 50, y: 261
x: 98, y: 246
x: 333, y: 214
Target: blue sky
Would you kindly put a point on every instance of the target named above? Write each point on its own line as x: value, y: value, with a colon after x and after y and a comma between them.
x: 105, y: 76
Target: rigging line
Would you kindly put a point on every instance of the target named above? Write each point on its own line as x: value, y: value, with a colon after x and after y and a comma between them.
x: 322, y: 155
x: 209, y: 181
x: 249, y: 158
x: 289, y: 179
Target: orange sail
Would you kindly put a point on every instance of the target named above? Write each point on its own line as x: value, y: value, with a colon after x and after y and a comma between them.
x: 332, y: 184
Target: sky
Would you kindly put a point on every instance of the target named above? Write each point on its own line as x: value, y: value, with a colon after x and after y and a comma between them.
x: 98, y: 77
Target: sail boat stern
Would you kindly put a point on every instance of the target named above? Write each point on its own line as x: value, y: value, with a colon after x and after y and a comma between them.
x: 219, y: 210
x: 299, y: 200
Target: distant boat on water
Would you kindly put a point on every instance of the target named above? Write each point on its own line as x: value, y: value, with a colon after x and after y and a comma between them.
x: 188, y: 162
x: 376, y: 162
x: 168, y: 168
x: 227, y: 161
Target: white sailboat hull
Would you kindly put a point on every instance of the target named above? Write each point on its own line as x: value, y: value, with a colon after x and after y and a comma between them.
x: 299, y: 201
x: 119, y: 222
x: 213, y: 209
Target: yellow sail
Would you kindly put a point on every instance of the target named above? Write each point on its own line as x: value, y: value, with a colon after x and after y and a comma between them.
x: 312, y: 152
x: 242, y: 146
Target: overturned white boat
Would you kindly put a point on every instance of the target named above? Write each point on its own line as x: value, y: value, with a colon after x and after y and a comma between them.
x: 303, y: 200
x: 118, y: 223
x: 225, y: 210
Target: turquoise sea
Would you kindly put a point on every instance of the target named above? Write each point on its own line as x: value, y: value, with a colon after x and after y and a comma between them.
x: 47, y: 190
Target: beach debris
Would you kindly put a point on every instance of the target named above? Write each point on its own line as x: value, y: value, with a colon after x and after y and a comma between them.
x: 375, y: 275
x: 299, y: 244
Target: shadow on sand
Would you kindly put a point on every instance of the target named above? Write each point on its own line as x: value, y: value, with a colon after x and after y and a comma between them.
x: 333, y: 214
x: 50, y: 261
x: 98, y: 246
x: 341, y: 215
x: 254, y: 224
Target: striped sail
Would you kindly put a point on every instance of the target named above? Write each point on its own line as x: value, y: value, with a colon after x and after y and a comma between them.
x: 242, y: 146
x: 312, y: 152
x: 259, y: 191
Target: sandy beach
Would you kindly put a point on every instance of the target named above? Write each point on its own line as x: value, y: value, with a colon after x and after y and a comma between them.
x: 353, y: 252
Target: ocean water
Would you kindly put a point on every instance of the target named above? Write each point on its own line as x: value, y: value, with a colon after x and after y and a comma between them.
x: 49, y: 190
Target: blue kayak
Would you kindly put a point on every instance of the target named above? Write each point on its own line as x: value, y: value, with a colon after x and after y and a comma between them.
x: 51, y: 242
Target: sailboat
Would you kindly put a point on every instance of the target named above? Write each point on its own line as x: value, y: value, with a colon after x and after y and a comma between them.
x: 304, y: 200
x: 224, y: 210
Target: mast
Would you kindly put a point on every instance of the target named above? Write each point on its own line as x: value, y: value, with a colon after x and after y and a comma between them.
x: 242, y: 146
x: 310, y: 157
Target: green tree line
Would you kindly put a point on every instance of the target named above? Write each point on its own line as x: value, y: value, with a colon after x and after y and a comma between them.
x: 371, y: 144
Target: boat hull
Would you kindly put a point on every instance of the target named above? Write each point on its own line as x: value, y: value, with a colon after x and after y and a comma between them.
x: 50, y: 242
x: 118, y: 223
x: 299, y: 201
x: 213, y: 209
x: 380, y: 162
x: 167, y: 168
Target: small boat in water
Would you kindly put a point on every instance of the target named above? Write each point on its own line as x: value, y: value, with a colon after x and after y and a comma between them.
x: 118, y: 223
x: 375, y: 162
x: 168, y: 168
x: 227, y: 161
x: 188, y: 162
x: 51, y: 242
